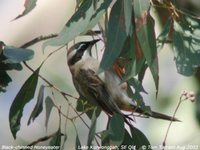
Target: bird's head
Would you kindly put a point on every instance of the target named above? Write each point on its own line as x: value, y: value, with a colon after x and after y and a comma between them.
x: 77, y: 51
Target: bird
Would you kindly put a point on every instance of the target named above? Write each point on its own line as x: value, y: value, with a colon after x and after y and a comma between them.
x: 105, y: 89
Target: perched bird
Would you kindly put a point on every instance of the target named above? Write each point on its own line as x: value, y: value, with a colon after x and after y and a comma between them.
x: 104, y: 90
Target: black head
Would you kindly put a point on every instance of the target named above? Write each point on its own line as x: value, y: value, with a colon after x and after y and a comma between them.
x: 76, y: 52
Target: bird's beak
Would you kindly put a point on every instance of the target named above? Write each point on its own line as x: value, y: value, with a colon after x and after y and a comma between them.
x: 94, y: 41
x: 91, y: 44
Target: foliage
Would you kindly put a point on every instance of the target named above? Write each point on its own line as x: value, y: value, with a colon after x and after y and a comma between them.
x: 128, y: 34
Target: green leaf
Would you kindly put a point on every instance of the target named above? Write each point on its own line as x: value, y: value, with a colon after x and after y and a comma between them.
x: 146, y: 36
x: 56, y: 139
x: 85, y: 18
x: 39, y: 105
x: 116, y: 36
x: 16, y: 55
x: 25, y: 94
x: 139, y: 139
x: 164, y: 34
x: 78, y: 143
x: 186, y: 45
x: 116, y: 129
x: 49, y: 105
x: 29, y: 5
x: 128, y: 16
x: 92, y: 130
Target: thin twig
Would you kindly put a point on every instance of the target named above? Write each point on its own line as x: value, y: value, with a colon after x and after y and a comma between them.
x: 178, y: 105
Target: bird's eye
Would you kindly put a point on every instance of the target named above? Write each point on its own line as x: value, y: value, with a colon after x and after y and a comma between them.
x: 82, y: 46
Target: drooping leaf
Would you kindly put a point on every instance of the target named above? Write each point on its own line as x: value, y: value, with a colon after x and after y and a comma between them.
x: 161, y: 39
x: 116, y: 129
x: 186, y: 45
x: 85, y: 18
x: 16, y: 55
x: 29, y: 6
x: 49, y: 105
x: 25, y: 94
x: 92, y: 130
x: 39, y: 105
x: 116, y: 36
x: 139, y: 139
x: 146, y: 36
x: 56, y: 139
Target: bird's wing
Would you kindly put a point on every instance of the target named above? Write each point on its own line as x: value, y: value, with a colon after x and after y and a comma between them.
x: 98, y: 91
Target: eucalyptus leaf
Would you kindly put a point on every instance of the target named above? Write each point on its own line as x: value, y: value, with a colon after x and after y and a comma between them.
x: 39, y: 105
x: 49, y: 105
x: 116, y: 36
x: 29, y: 6
x: 146, y: 36
x: 25, y: 94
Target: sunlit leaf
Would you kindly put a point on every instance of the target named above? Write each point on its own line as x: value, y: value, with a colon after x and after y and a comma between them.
x: 29, y: 6
x: 38, y: 107
x: 49, y: 105
x: 85, y: 18
x: 16, y: 55
x: 116, y: 36
x: 116, y: 129
x: 25, y: 94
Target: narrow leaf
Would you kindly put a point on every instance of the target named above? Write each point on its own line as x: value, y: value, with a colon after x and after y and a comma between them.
x: 116, y: 36
x: 116, y: 129
x: 49, y: 105
x: 16, y: 55
x: 85, y: 18
x: 146, y: 36
x: 39, y: 105
x: 29, y: 6
x: 25, y: 94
